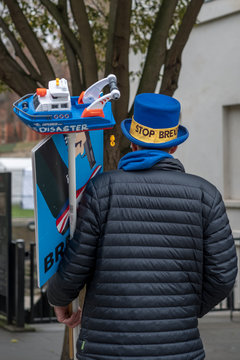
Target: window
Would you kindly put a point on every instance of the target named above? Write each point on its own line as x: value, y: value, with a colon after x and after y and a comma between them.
x: 64, y: 106
x: 231, y: 154
x: 55, y: 106
x: 35, y: 101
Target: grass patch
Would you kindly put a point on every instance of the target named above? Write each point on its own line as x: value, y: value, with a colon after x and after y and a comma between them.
x: 21, y: 146
x: 27, y: 146
x: 18, y: 212
x: 7, y: 148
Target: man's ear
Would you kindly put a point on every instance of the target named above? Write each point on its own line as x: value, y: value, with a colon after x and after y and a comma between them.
x: 134, y: 147
x: 173, y: 149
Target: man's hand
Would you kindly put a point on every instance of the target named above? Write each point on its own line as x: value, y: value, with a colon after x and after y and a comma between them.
x: 63, y: 316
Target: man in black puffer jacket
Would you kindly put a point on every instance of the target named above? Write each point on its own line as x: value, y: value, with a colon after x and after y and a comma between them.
x: 152, y: 244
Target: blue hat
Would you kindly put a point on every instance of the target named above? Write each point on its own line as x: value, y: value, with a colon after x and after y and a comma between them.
x: 155, y: 123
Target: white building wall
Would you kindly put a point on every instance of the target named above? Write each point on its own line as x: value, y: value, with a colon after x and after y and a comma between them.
x: 209, y: 91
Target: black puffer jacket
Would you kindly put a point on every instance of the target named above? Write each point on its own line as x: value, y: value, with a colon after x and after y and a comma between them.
x: 156, y: 251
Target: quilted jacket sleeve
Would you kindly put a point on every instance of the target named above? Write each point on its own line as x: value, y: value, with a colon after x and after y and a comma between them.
x: 79, y: 257
x: 219, y: 257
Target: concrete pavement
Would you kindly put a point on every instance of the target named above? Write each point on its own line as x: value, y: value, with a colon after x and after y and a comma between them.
x: 220, y: 335
x: 43, y: 343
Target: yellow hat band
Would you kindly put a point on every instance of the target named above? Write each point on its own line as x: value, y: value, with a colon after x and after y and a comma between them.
x: 149, y: 135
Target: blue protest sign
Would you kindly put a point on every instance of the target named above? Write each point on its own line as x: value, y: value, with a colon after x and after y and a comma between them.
x: 50, y: 172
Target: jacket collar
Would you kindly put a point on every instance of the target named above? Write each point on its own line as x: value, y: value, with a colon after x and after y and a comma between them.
x: 169, y: 164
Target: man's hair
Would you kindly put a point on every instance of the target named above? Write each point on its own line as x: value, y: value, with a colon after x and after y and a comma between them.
x: 146, y: 148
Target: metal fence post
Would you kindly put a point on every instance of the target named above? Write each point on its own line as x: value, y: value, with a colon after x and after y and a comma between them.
x: 11, y: 278
x: 32, y: 265
x: 19, y: 282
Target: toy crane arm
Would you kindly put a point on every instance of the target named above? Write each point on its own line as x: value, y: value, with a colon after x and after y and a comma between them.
x: 93, y: 92
x: 96, y: 107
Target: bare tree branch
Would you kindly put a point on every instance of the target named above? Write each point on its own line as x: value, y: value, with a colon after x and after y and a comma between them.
x: 157, y: 47
x: 54, y: 11
x: 71, y: 56
x: 21, y: 83
x: 173, y: 57
x: 89, y: 60
x: 29, y: 37
x: 19, y: 52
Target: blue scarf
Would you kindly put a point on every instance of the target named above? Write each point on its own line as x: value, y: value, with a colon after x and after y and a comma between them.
x: 142, y: 159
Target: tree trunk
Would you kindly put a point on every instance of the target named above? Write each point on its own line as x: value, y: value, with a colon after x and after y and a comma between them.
x: 120, y: 67
x: 112, y: 148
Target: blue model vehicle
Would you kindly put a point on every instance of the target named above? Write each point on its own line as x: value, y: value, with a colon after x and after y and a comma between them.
x: 54, y: 111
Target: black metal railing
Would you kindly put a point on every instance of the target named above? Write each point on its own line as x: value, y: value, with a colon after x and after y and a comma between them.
x: 28, y: 304
x: 37, y: 308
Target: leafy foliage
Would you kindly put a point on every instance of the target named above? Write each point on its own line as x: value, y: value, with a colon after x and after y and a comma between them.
x: 177, y: 19
x: 3, y: 87
x: 98, y: 15
x: 43, y: 25
x: 48, y: 21
x: 5, y: 16
x: 80, y: 34
x: 142, y: 22
x: 48, y: 32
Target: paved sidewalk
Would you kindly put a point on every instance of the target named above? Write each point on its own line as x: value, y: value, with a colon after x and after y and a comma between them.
x: 45, y: 343
x: 221, y: 338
